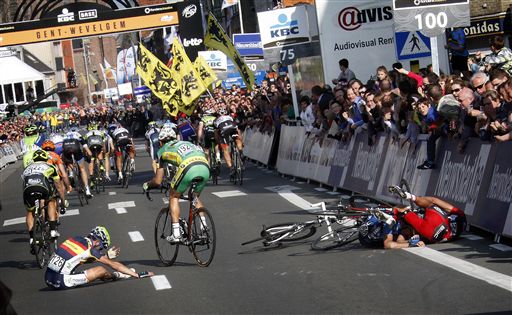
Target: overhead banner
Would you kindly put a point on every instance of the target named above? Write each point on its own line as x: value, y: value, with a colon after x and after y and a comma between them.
x: 126, y: 65
x: 248, y: 44
x: 82, y: 22
x: 352, y: 29
x: 191, y: 27
x: 284, y: 27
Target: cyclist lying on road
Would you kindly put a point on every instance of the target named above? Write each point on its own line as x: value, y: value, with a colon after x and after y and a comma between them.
x: 78, y: 250
x: 442, y: 221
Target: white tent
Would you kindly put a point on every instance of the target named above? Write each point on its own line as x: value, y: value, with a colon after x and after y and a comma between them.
x: 14, y: 70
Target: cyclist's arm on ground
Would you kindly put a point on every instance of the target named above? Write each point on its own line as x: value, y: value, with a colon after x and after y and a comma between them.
x: 400, y: 242
x: 117, y: 266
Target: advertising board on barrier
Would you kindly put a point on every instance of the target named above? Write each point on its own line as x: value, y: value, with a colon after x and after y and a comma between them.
x: 258, y: 145
x: 350, y: 29
x: 217, y: 60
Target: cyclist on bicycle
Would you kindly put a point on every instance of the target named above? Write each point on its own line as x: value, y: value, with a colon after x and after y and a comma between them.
x: 40, y: 181
x: 190, y: 164
x: 206, y: 134
x: 441, y: 222
x: 75, y: 145
x: 61, y: 272
x: 57, y: 139
x: 56, y: 160
x: 32, y: 140
x: 185, y: 129
x: 96, y: 142
x: 225, y: 131
x: 123, y: 141
x: 152, y: 144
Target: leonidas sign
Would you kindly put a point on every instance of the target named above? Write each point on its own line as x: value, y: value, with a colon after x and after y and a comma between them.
x: 83, y: 23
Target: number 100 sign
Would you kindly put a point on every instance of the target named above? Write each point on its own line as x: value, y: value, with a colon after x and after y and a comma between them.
x: 430, y: 17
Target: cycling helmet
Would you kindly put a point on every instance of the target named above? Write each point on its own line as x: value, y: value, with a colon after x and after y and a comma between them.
x: 40, y: 156
x: 151, y: 124
x: 101, y: 234
x: 92, y: 126
x: 166, y: 134
x: 48, y: 145
x: 73, y: 129
x: 42, y: 129
x: 223, y: 111
x: 111, y: 128
x: 30, y: 130
x: 209, y: 112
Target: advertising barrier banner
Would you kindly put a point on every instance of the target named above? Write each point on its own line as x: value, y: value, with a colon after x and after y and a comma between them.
x: 257, y: 145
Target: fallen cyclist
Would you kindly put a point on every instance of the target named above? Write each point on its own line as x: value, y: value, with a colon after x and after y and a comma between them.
x: 441, y: 222
x: 79, y: 250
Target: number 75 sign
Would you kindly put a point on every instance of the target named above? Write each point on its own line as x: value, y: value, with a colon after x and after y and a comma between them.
x: 431, y: 17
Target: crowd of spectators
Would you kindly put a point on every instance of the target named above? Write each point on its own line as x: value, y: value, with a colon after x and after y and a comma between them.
x: 475, y: 103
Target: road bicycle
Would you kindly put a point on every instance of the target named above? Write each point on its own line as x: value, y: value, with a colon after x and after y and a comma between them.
x: 214, y: 165
x: 198, y: 232
x: 78, y: 183
x: 128, y: 167
x: 44, y: 244
x: 342, y: 221
x: 236, y: 159
x: 98, y: 174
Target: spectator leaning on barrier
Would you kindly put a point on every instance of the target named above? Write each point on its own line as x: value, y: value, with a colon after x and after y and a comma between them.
x: 470, y: 113
x: 306, y: 113
x: 430, y: 120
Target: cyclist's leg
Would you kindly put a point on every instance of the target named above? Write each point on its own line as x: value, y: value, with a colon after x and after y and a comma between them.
x: 85, y: 178
x: 118, y: 159
x: 239, y: 141
x: 52, y: 217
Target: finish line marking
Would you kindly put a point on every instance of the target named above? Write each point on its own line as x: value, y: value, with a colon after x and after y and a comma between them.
x: 121, y: 210
x: 229, y: 193
x: 122, y: 204
x: 21, y: 220
x: 467, y: 268
x: 135, y: 236
x: 160, y: 282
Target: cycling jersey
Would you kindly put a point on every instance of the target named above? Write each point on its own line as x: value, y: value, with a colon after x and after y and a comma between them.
x: 38, y: 180
x: 190, y: 162
x: 154, y: 145
x: 208, y: 129
x: 226, y: 126
x: 28, y: 143
x: 95, y: 140
x: 60, y: 273
x: 121, y: 137
x: 57, y: 140
x: 72, y: 147
x: 436, y: 225
x: 186, y: 131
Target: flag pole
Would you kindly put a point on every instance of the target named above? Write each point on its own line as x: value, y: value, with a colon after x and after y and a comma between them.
x: 240, y: 16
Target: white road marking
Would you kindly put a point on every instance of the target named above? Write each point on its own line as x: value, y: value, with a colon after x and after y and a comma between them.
x: 334, y: 193
x: 135, y: 236
x: 166, y: 200
x: 286, y: 192
x: 112, y: 193
x: 122, y: 204
x: 467, y: 268
x: 121, y: 210
x: 320, y: 189
x: 501, y: 247
x: 160, y: 282
x: 140, y: 147
x: 471, y: 237
x: 22, y: 219
x: 229, y: 193
x: 301, y: 183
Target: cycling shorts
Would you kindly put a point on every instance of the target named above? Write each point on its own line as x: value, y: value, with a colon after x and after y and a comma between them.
x: 95, y: 143
x: 60, y: 281
x: 190, y: 169
x: 37, y: 187
x: 226, y: 134
x: 72, y: 147
x: 154, y: 146
x: 187, y: 132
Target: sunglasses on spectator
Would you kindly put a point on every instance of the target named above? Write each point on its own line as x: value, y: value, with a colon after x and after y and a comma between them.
x: 456, y: 90
x: 479, y: 86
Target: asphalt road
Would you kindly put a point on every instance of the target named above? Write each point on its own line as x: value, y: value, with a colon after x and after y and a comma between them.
x: 251, y: 279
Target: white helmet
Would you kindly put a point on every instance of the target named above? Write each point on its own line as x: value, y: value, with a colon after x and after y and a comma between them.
x: 166, y: 134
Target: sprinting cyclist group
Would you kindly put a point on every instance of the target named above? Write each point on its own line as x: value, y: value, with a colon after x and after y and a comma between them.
x: 183, y: 148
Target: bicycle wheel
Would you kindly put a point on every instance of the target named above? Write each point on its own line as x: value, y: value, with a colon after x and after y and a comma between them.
x: 96, y: 177
x: 337, y: 238
x: 203, y: 237
x: 239, y: 168
x: 275, y: 231
x: 213, y: 168
x: 126, y: 172
x: 166, y: 251
x: 78, y: 186
x: 40, y: 240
